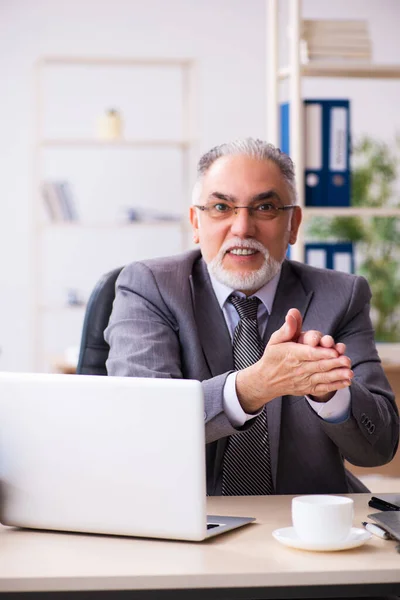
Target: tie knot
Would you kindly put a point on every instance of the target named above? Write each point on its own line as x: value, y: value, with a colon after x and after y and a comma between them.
x: 246, y: 307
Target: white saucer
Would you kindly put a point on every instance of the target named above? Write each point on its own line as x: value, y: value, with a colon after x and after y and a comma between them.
x: 288, y: 537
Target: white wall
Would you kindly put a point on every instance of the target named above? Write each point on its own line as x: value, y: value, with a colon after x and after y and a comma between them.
x: 227, y: 39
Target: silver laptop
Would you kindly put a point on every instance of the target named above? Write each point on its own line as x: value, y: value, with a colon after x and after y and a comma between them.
x: 111, y: 455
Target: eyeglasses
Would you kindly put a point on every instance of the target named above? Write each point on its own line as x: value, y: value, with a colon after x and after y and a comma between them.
x: 264, y: 211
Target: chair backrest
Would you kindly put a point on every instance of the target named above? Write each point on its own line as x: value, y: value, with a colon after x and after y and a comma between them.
x: 94, y: 349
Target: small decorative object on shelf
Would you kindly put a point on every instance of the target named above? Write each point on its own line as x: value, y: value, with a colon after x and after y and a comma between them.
x: 74, y: 299
x: 143, y: 215
x: 110, y: 125
x: 335, y: 39
x: 67, y: 362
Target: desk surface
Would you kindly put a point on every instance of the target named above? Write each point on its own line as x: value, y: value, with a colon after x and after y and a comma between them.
x: 246, y: 558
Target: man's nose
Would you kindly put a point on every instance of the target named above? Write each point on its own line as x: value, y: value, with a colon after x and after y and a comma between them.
x: 242, y: 223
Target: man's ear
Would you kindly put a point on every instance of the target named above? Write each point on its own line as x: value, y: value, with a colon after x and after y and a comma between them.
x: 295, y: 224
x: 194, y: 219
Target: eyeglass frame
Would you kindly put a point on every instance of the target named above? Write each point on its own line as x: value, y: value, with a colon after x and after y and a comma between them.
x: 251, y: 209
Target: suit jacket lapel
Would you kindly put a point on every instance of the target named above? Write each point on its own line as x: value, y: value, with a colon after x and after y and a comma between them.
x: 211, y: 325
x: 290, y: 293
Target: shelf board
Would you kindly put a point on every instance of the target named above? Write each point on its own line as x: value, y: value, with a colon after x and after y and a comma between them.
x: 115, y: 61
x: 111, y: 226
x: 345, y: 69
x: 94, y: 143
x: 61, y: 307
x: 350, y: 211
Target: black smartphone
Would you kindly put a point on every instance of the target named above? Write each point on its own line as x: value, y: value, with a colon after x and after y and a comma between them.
x: 381, y: 504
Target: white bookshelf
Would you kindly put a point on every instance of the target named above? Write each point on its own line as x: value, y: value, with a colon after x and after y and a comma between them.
x: 62, y: 307
x: 110, y: 226
x: 293, y: 73
x: 355, y: 70
x: 184, y: 145
x: 116, y: 61
x: 93, y: 143
x: 351, y: 211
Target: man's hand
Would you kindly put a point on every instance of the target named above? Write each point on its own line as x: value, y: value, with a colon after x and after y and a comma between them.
x: 294, y: 363
x: 316, y: 338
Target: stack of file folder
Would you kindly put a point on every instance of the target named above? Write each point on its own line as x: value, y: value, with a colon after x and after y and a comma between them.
x: 326, y: 150
x: 335, y: 40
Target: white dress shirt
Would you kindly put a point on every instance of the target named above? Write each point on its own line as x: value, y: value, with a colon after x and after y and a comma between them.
x: 337, y: 409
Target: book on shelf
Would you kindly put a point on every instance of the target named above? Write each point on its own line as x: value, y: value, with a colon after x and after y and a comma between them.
x: 146, y: 215
x: 74, y: 298
x: 58, y: 200
x: 326, y: 150
x: 67, y: 201
x: 330, y: 255
x: 335, y: 40
x: 51, y: 201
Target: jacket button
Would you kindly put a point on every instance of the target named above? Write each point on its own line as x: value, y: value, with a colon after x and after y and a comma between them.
x: 372, y: 428
x: 363, y: 418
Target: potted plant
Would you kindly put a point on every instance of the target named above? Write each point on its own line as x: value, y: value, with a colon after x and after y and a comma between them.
x: 376, y: 239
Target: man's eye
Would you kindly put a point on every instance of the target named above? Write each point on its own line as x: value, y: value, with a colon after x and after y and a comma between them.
x: 265, y: 207
x: 222, y: 207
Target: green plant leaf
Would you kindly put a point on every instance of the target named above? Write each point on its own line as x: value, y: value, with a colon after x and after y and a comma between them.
x: 374, y: 173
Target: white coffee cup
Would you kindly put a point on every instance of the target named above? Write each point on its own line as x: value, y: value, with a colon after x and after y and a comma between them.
x: 321, y: 519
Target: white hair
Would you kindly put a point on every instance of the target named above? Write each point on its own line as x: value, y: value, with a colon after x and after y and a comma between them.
x: 253, y: 148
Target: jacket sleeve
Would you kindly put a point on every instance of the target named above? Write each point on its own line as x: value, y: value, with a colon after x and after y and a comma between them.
x: 369, y: 437
x: 143, y: 335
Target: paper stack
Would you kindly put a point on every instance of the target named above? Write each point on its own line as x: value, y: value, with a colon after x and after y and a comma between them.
x: 335, y: 40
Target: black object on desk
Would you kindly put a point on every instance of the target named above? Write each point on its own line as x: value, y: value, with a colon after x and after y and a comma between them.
x: 382, y: 504
x: 389, y: 520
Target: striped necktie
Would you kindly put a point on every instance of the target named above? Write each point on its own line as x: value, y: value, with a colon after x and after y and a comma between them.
x: 247, y: 464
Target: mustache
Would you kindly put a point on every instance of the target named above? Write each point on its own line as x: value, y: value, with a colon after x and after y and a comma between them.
x: 239, y: 243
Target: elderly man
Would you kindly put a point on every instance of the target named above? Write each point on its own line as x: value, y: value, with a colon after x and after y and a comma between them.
x: 285, y: 352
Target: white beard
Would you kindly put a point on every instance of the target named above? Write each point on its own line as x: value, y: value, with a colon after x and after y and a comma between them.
x: 247, y: 281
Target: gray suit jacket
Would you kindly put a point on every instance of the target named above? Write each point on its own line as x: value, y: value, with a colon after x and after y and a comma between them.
x: 166, y: 322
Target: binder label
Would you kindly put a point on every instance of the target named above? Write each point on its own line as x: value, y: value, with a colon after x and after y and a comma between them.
x: 342, y: 262
x: 313, y: 138
x: 338, y: 141
x: 316, y: 258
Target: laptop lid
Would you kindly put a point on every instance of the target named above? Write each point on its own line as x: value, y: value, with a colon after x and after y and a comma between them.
x: 112, y: 455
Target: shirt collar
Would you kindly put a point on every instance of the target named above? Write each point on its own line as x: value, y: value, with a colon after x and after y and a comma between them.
x: 266, y: 294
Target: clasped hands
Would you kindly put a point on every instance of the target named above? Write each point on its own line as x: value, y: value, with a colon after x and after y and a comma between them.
x: 295, y: 363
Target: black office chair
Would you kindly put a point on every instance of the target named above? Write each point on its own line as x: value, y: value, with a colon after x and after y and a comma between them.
x: 94, y: 349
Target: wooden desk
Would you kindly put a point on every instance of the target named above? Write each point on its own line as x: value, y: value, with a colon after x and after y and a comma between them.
x: 246, y: 563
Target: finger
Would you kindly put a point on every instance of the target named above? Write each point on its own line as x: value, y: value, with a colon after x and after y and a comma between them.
x: 324, y: 365
x: 327, y: 341
x: 304, y: 353
x: 311, y: 338
x: 300, y: 339
x: 338, y: 374
x: 340, y: 348
x: 295, y: 313
x: 288, y: 331
x: 324, y: 388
